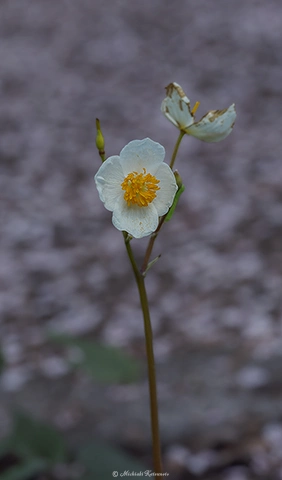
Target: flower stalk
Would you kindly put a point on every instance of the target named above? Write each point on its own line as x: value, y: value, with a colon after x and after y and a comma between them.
x: 140, y: 280
x: 175, y: 150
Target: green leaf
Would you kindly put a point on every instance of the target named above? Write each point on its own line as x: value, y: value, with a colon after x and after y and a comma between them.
x: 33, y: 439
x: 102, y: 460
x: 104, y: 363
x: 175, y: 202
x: 24, y: 471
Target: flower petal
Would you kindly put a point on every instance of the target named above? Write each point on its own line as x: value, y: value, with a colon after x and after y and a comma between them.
x: 167, y: 191
x: 214, y: 126
x: 108, y: 182
x: 176, y: 107
x: 140, y: 154
x: 138, y: 222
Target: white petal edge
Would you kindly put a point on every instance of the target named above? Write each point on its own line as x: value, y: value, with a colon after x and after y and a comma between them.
x: 138, y: 222
x: 108, y: 181
x: 214, y: 126
x: 168, y: 189
x: 140, y: 154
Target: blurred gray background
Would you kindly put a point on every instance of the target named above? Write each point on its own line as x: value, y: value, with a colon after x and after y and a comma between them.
x: 215, y: 294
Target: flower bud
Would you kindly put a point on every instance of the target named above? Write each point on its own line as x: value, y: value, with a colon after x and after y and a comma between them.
x: 100, y: 142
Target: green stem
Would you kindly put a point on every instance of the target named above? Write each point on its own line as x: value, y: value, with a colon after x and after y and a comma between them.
x: 140, y: 280
x: 178, y: 141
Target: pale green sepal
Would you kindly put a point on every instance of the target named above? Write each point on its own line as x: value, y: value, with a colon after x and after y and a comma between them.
x: 175, y: 202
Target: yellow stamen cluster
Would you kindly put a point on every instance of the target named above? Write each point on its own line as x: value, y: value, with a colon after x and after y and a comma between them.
x: 140, y: 188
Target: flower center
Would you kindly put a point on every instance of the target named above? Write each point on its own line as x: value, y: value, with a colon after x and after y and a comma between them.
x: 140, y: 188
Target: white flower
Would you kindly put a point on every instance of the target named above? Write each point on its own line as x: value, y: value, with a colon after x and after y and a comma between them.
x: 137, y: 186
x: 213, y: 127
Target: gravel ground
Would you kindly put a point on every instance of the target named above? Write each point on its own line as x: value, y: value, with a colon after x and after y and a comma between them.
x: 215, y: 294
